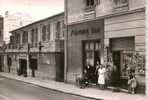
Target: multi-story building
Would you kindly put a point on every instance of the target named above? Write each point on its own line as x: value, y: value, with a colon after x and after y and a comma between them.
x: 103, y: 30
x: 37, y: 49
x: 14, y: 21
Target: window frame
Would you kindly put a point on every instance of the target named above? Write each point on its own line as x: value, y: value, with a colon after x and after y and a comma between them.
x: 120, y: 3
x: 90, y: 5
x: 44, y: 33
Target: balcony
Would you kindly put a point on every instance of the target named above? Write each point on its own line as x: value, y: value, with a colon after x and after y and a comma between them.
x: 51, y: 46
x: 15, y: 48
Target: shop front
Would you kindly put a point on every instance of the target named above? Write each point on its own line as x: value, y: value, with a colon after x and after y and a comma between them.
x: 85, y: 46
x: 127, y: 59
x: 118, y: 47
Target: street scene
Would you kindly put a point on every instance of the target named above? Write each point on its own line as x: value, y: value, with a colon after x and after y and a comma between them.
x: 73, y: 49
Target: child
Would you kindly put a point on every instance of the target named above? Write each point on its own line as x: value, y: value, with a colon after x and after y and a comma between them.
x: 132, y: 84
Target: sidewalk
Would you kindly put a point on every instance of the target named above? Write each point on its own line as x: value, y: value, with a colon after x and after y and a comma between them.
x: 72, y: 89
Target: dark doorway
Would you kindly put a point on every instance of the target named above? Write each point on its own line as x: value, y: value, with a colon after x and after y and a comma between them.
x: 116, y: 60
x: 9, y: 62
x: 91, y: 54
x: 1, y: 63
x: 33, y: 66
x: 22, y: 67
x: 59, y: 67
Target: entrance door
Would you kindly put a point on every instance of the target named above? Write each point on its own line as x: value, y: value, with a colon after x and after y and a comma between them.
x: 33, y: 66
x: 59, y: 67
x: 1, y: 63
x: 91, y: 54
x: 116, y: 60
x: 23, y: 67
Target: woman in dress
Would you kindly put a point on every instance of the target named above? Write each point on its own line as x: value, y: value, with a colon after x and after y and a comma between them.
x: 101, y: 78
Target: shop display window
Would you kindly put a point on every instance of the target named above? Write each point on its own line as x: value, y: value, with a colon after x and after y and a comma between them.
x: 133, y: 60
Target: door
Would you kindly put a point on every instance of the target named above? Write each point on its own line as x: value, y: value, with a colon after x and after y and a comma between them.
x: 1, y: 63
x: 116, y: 60
x: 33, y: 66
x: 91, y: 54
x: 23, y: 67
x: 59, y: 61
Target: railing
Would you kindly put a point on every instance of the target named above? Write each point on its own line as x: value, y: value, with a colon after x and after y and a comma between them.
x: 57, y: 45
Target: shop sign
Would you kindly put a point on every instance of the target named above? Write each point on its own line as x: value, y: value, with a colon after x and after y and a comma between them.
x: 85, y: 31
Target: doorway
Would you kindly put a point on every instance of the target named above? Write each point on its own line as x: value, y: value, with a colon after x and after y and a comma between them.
x: 33, y: 66
x: 117, y: 63
x: 91, y: 54
x: 59, y: 67
x: 23, y: 67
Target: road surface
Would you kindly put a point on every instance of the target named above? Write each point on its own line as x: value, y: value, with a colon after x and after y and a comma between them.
x: 16, y: 90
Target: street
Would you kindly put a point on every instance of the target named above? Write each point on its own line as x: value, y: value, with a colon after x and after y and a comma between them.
x: 16, y: 90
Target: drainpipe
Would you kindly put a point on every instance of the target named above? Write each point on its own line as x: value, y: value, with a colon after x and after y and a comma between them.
x: 66, y: 43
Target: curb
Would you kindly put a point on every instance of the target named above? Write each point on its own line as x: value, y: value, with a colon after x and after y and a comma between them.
x: 88, y: 97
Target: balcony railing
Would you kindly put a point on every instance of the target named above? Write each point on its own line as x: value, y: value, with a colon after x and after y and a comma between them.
x: 57, y: 45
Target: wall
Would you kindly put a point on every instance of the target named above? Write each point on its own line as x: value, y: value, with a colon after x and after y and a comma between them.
x: 127, y: 26
x: 76, y: 9
x: 46, y: 66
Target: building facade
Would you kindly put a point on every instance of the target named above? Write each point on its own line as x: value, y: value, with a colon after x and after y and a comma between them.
x: 14, y: 21
x: 37, y: 50
x: 103, y: 30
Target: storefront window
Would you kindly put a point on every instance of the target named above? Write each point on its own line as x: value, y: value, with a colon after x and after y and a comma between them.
x: 90, y: 58
x: 86, y: 46
x: 97, y: 46
x: 91, y: 46
x: 133, y: 60
x: 91, y: 52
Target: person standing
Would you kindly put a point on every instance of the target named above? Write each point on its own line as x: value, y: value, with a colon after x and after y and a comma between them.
x: 132, y: 83
x: 101, y: 77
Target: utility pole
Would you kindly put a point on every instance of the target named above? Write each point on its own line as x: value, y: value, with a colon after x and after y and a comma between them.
x: 66, y: 43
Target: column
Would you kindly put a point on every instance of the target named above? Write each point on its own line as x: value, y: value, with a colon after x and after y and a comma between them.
x: 27, y: 55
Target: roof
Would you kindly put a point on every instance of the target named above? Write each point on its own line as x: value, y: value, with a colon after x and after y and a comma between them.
x: 62, y: 13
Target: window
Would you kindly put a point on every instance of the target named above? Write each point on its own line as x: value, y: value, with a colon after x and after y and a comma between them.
x: 132, y: 60
x: 48, y: 35
x: 120, y: 3
x: 18, y: 38
x: 58, y: 30
x: 44, y: 33
x: 36, y: 35
x: 63, y: 29
x: 25, y: 37
x: 90, y: 4
x: 32, y: 36
x: 91, y: 52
